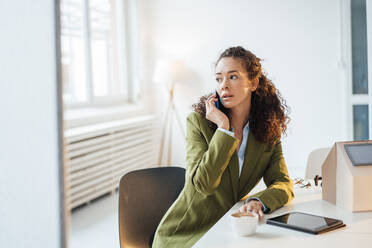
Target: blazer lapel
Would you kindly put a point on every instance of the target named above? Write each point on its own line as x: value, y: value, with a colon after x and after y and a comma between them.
x: 234, y: 174
x: 253, y: 152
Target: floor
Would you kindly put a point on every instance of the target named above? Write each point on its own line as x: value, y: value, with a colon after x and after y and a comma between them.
x: 95, y: 225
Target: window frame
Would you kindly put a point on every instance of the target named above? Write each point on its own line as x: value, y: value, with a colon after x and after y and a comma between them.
x: 346, y: 61
x: 369, y: 57
x: 125, y: 78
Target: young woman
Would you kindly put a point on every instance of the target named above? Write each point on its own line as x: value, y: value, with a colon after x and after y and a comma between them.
x: 229, y: 151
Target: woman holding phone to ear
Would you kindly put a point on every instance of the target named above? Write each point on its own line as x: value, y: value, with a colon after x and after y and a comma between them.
x: 229, y: 150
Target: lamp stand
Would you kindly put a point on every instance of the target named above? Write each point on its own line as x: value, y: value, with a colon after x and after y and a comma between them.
x: 169, y: 115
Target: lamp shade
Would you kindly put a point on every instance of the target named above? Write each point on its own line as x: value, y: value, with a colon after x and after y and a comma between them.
x: 169, y: 72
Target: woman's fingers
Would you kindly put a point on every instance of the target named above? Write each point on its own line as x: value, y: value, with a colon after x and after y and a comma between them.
x: 212, y: 99
x: 252, y: 207
x: 214, y: 114
x: 260, y: 213
x: 207, y: 105
x: 243, y: 209
x: 210, y: 102
x: 246, y: 208
x: 258, y: 209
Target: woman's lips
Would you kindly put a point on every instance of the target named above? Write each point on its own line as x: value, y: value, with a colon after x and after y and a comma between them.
x: 227, y: 98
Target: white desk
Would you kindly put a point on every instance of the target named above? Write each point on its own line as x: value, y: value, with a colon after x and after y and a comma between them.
x: 357, y: 233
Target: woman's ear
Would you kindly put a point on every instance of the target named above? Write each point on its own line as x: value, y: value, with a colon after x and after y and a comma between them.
x: 254, y: 84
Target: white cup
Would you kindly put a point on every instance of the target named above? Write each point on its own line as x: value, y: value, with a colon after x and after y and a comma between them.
x: 244, y: 224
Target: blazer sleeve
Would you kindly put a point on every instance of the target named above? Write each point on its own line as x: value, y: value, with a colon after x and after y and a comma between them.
x: 279, y: 189
x: 205, y: 163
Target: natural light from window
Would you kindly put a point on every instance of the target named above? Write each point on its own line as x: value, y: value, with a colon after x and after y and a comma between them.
x: 92, y: 63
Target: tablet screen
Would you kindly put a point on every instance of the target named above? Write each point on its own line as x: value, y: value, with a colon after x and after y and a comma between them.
x: 359, y: 154
x: 304, y: 221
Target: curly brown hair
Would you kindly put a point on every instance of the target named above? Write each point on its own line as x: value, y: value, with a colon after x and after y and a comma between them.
x: 268, y: 117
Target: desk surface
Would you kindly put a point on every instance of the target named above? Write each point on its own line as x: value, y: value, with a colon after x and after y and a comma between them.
x: 357, y: 233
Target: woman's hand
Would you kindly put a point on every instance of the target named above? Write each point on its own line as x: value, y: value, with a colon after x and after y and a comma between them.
x: 253, y: 206
x: 214, y: 114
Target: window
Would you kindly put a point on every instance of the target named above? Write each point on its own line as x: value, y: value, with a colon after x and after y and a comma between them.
x: 93, y: 54
x: 360, y: 92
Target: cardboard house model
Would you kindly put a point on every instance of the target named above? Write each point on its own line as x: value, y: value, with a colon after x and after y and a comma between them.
x: 347, y: 175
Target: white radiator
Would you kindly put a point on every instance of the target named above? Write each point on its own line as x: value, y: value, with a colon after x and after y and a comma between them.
x: 98, y: 155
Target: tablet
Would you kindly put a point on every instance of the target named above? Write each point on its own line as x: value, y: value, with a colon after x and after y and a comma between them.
x: 359, y: 154
x: 306, y: 222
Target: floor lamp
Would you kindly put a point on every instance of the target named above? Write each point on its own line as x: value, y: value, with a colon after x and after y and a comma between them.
x: 169, y: 73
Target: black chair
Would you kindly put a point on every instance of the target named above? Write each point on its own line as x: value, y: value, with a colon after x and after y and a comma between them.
x: 144, y: 197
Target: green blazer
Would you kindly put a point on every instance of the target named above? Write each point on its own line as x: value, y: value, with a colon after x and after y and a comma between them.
x: 213, y: 185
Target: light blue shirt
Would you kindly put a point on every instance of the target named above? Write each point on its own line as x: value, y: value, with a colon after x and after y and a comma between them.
x: 241, y: 155
x: 243, y: 145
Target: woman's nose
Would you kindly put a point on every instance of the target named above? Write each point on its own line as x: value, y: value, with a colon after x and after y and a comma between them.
x: 225, y: 83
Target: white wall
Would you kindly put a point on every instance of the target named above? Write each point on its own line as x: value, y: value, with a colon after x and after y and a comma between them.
x: 30, y: 206
x: 299, y: 40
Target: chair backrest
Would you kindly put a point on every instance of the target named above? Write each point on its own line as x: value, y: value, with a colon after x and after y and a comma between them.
x: 315, y: 161
x: 144, y: 197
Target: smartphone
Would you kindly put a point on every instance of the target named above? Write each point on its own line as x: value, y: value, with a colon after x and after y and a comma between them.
x: 218, y: 103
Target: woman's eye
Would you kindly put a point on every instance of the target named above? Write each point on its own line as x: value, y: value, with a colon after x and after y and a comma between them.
x: 218, y: 80
x: 233, y: 77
